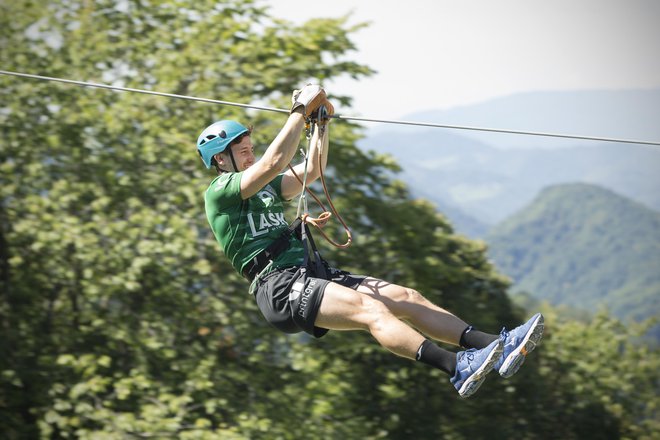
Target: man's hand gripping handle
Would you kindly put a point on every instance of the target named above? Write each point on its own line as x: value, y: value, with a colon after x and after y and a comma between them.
x: 309, y: 98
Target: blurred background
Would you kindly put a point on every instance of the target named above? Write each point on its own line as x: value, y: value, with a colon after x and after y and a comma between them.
x: 121, y: 318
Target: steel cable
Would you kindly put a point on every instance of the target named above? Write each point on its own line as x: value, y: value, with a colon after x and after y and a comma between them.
x: 336, y: 116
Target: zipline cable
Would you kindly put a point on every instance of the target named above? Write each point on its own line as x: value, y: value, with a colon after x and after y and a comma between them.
x: 146, y: 92
x: 341, y: 117
x: 503, y: 130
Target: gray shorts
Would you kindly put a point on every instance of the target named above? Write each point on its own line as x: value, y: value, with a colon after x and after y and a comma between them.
x: 290, y: 298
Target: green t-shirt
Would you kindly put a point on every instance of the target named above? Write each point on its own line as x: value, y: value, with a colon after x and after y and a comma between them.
x: 246, y: 227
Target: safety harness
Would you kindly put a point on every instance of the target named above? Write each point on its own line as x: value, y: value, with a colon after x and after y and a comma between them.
x: 279, y: 245
x: 312, y: 260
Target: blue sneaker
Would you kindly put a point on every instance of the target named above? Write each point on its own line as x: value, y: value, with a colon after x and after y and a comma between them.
x: 517, y: 344
x: 472, y: 366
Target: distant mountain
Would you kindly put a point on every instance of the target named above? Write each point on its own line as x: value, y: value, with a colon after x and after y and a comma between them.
x: 629, y: 114
x: 473, y: 183
x: 477, y: 185
x: 583, y: 246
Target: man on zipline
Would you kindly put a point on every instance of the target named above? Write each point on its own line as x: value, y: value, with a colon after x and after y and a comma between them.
x: 245, y: 208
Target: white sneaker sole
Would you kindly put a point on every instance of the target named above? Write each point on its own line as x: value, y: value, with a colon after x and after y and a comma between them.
x: 516, y: 358
x: 472, y: 384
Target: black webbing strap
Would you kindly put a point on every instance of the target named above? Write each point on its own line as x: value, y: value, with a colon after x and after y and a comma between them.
x: 311, y: 253
x: 279, y: 245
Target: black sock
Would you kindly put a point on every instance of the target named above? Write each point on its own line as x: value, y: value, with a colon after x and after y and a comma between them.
x: 473, y: 338
x: 431, y: 354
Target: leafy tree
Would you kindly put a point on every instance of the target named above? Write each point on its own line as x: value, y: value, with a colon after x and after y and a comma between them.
x: 598, y: 379
x: 119, y: 316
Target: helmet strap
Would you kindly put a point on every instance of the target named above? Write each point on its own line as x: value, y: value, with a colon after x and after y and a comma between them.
x: 233, y: 162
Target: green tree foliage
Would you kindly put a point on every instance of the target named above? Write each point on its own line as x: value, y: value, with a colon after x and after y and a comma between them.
x: 120, y: 317
x: 600, y: 378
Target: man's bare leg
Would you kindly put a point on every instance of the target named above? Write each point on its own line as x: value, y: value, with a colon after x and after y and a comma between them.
x: 346, y: 309
x: 408, y: 304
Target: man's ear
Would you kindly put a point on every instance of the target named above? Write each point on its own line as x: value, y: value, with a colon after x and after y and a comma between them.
x: 219, y: 158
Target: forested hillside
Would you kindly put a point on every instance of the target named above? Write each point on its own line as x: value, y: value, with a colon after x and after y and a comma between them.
x: 121, y: 318
x: 584, y: 246
x: 478, y: 186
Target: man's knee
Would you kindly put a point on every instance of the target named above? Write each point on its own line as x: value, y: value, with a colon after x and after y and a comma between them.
x: 412, y: 296
x: 374, y: 312
x: 401, y: 295
x: 404, y: 303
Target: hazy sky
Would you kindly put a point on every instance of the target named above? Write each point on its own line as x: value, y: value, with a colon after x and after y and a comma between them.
x: 437, y: 54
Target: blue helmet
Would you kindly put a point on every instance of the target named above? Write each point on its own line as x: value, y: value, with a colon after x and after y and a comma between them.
x: 216, y: 137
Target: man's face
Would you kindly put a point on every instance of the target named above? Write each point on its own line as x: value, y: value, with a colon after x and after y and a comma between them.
x: 243, y: 153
